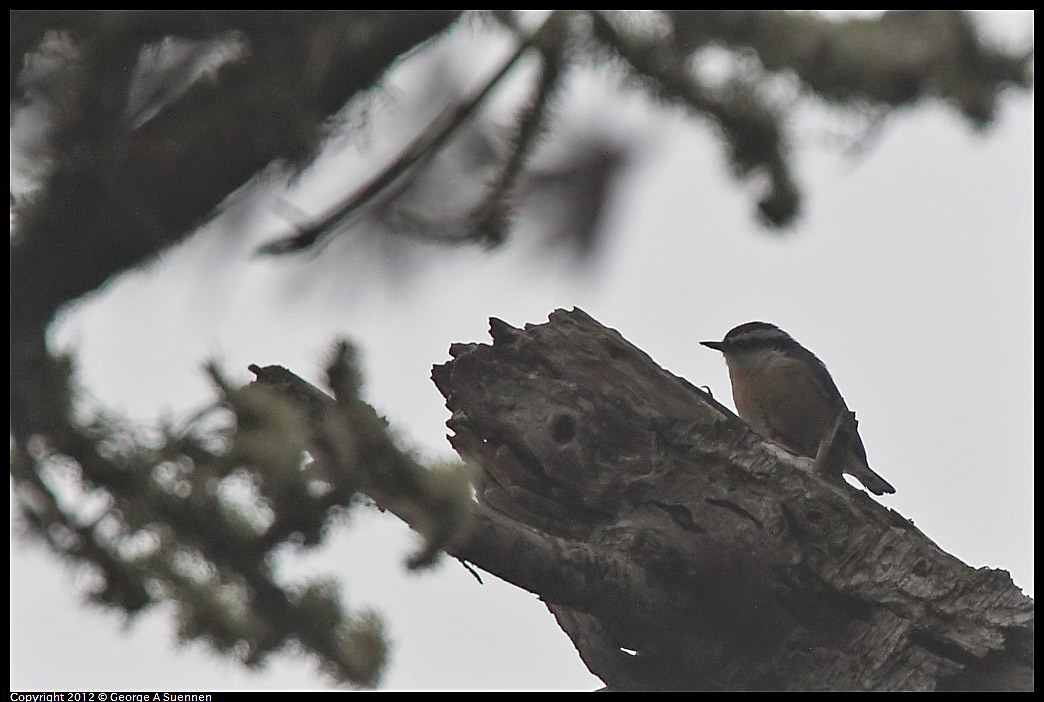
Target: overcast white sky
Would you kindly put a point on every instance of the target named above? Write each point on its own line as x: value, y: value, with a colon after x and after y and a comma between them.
x: 910, y: 275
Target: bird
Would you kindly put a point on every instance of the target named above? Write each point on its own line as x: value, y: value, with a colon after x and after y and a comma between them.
x: 785, y: 393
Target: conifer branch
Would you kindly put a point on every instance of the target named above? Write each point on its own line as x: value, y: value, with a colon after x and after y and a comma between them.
x: 423, y: 146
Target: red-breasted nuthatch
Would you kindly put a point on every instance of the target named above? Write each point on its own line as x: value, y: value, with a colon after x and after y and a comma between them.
x: 787, y: 395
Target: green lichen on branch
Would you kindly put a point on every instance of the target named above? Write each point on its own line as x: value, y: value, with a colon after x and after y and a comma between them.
x: 199, y: 514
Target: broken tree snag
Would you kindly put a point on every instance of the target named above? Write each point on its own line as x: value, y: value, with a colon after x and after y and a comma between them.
x: 678, y: 550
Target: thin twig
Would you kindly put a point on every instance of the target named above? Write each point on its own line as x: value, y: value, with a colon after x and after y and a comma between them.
x: 491, y: 217
x: 430, y: 140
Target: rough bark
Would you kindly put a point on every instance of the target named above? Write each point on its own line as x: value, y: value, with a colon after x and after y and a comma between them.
x: 679, y: 550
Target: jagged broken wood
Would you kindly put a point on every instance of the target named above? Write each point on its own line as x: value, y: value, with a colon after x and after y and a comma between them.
x: 679, y: 550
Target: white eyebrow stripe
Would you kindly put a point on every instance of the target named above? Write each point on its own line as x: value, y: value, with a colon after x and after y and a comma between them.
x: 767, y: 333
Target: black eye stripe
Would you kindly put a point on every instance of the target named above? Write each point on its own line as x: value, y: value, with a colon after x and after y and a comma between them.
x: 748, y: 343
x: 758, y: 334
x: 762, y: 336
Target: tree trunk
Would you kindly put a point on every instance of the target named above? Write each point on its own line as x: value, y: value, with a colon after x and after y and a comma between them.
x: 679, y: 550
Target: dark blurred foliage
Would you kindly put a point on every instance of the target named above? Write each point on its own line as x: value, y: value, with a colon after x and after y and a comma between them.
x: 144, y: 122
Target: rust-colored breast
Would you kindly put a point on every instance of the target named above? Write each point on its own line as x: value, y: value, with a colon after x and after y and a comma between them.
x: 782, y: 399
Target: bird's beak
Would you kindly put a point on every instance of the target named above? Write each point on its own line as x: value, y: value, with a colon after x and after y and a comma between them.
x: 716, y: 345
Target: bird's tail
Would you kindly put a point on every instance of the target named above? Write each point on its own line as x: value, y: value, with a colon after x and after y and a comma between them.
x: 870, y: 480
